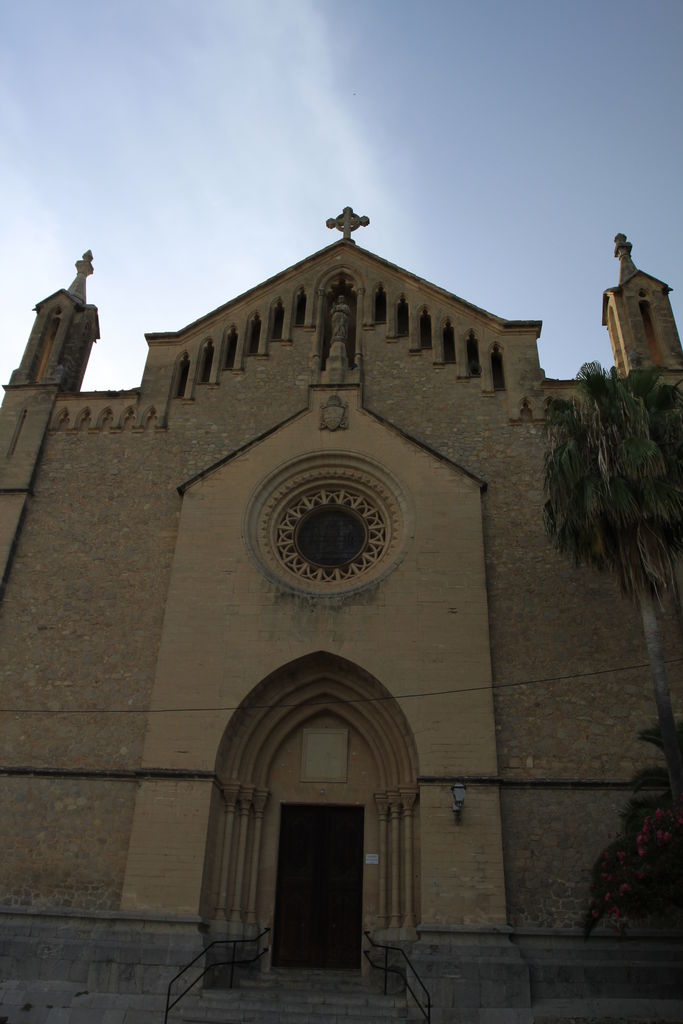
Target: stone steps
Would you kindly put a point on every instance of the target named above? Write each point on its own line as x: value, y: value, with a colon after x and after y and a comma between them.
x: 295, y: 997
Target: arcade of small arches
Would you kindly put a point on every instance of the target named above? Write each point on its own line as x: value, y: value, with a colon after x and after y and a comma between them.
x: 252, y: 335
x: 261, y: 768
x: 92, y: 420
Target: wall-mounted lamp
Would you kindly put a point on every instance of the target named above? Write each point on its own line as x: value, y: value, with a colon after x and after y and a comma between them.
x: 458, y: 800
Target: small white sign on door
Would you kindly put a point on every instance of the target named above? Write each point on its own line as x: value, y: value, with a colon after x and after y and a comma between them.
x: 372, y: 858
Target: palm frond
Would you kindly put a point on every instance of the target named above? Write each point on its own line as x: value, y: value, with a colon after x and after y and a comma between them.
x: 613, y: 475
x: 653, y: 734
x: 651, y: 778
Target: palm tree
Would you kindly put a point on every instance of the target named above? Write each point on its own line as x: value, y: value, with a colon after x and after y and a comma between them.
x: 614, y: 487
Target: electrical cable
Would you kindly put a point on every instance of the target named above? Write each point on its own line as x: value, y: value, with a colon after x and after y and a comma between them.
x: 492, y: 687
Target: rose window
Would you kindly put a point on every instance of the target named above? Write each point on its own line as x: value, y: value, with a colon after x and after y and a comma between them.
x: 327, y: 524
x: 331, y: 534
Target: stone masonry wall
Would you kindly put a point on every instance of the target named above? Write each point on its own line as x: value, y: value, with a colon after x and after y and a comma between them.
x: 552, y: 837
x: 72, y: 832
x: 547, y: 618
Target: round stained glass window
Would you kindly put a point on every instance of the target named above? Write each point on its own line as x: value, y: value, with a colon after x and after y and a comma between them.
x: 328, y: 524
x: 330, y: 536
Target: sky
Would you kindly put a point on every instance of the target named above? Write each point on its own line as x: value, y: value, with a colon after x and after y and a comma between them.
x: 199, y: 147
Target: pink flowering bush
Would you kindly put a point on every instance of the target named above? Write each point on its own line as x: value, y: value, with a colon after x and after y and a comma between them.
x: 641, y: 873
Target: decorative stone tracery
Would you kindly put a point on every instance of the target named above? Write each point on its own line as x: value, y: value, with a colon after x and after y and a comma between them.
x: 345, y: 501
x: 355, y: 508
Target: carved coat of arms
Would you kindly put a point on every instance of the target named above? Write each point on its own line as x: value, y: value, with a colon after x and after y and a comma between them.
x: 334, y: 415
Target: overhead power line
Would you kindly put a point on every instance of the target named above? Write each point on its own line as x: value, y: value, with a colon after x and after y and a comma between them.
x: 494, y: 686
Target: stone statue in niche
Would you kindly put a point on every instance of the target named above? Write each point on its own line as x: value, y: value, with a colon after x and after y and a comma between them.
x: 340, y: 320
x: 339, y: 341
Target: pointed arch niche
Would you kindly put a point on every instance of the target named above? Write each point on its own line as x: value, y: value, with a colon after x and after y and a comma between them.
x: 341, y: 286
x: 269, y: 757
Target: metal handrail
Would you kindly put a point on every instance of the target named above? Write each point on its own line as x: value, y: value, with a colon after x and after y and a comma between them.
x: 232, y: 964
x: 425, y: 1009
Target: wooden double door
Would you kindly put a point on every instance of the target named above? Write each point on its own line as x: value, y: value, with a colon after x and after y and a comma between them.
x: 318, y: 913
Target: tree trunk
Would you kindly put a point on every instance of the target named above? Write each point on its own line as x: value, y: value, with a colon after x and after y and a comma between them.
x: 667, y: 722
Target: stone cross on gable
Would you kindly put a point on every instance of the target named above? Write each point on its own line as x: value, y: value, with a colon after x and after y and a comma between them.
x: 347, y: 221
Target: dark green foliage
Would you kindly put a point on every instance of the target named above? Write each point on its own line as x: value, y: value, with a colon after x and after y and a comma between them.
x: 614, y: 475
x: 640, y: 873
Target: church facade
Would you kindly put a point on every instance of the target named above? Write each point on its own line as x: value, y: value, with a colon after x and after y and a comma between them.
x: 263, y: 613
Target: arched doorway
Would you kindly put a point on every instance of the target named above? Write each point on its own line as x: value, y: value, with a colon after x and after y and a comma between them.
x: 314, y: 830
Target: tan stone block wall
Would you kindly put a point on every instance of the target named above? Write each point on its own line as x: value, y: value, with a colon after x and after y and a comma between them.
x: 552, y: 838
x: 84, y: 603
x: 174, y: 817
x: 11, y: 511
x: 25, y: 414
x: 64, y: 841
x: 462, y: 871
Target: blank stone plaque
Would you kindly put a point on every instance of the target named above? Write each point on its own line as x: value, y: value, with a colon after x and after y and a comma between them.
x: 324, y: 755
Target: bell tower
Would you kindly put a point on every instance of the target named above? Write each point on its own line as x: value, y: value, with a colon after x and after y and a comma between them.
x: 54, y: 361
x: 638, y: 316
